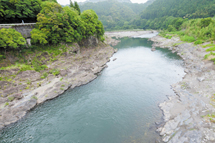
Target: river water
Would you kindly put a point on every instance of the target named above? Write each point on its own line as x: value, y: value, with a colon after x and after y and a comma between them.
x: 120, y: 106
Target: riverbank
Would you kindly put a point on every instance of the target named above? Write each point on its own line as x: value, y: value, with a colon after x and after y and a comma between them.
x: 120, y: 34
x: 77, y: 65
x: 189, y: 115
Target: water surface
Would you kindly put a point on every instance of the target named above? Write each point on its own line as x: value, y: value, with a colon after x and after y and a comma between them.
x: 120, y: 106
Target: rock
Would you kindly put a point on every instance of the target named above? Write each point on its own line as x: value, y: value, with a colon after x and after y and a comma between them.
x: 115, y: 50
x: 200, y: 79
x: 63, y: 72
x: 114, y: 59
x: 153, y: 49
x: 28, y: 41
x: 3, y: 100
x: 17, y: 96
x: 89, y: 42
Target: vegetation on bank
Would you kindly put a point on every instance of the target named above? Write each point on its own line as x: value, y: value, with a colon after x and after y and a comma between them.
x: 55, y: 25
x: 14, y: 11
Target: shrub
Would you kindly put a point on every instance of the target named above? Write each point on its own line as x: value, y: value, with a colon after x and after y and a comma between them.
x: 38, y: 37
x: 45, y: 74
x: 55, y: 72
x: 198, y: 42
x: 11, y: 38
x: 11, y: 98
x: 187, y: 38
x: 210, y: 49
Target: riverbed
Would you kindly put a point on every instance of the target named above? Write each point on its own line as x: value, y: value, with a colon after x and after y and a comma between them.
x: 120, y: 106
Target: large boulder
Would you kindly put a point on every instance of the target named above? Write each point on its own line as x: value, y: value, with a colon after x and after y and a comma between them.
x: 89, y: 42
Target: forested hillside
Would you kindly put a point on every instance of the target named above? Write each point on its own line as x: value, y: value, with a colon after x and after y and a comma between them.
x: 162, y: 13
x: 180, y: 8
x: 115, y: 15
x: 14, y: 11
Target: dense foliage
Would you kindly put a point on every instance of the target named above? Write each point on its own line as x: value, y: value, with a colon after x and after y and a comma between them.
x: 170, y: 14
x: 180, y: 8
x: 14, y: 11
x: 11, y: 38
x: 115, y: 15
x: 64, y: 24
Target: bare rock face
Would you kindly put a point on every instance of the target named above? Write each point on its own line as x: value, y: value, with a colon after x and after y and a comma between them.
x: 89, y: 42
x: 25, y: 75
x: 189, y: 116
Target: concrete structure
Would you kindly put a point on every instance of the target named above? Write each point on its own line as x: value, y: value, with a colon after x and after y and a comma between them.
x: 24, y: 29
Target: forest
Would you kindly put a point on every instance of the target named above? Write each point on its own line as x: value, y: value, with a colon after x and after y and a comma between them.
x: 116, y: 15
x: 55, y: 24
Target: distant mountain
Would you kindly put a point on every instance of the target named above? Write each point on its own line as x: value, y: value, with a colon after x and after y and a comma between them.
x: 95, y: 1
x: 115, y: 14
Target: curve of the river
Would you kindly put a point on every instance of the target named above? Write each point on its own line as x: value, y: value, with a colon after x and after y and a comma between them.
x: 120, y: 106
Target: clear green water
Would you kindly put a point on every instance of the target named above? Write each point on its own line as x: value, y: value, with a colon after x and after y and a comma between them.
x: 120, y: 106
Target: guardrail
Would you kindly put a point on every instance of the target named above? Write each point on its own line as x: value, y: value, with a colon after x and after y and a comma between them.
x: 17, y: 24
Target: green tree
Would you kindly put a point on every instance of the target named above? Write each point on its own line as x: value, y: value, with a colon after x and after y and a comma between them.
x: 10, y: 38
x: 71, y: 4
x: 92, y: 24
x: 77, y: 8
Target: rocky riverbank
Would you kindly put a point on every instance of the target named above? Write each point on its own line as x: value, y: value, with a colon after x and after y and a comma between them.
x: 190, y: 114
x: 78, y: 65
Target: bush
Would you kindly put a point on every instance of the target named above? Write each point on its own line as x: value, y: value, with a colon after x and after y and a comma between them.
x: 205, y: 22
x: 10, y: 38
x: 187, y: 38
x: 198, y: 42
x: 55, y: 72
x: 210, y: 49
x: 38, y: 37
x: 45, y: 74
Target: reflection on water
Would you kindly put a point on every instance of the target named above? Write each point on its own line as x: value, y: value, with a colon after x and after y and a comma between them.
x: 120, y: 106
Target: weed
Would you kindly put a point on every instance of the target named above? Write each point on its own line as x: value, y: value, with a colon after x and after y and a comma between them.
x: 210, y: 49
x: 198, y: 42
x: 61, y: 88
x: 61, y: 79
x: 6, y: 104
x: 187, y: 38
x: 11, y: 98
x: 45, y: 74
x: 55, y: 72
x: 62, y: 85
x: 34, y: 97
x: 208, y: 45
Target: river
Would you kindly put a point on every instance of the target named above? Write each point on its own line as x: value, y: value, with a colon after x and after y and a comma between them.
x: 120, y: 106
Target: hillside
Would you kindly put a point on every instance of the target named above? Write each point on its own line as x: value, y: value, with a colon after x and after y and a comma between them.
x: 95, y: 1
x: 115, y: 15
x: 180, y: 8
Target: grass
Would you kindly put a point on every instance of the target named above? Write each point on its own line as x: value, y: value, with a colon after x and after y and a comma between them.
x: 45, y: 74
x: 198, y: 42
x: 208, y: 45
x: 210, y: 49
x: 55, y: 72
x: 10, y: 98
x: 61, y: 88
x: 6, y: 104
x: 34, y: 97
x: 187, y: 38
x: 211, y: 117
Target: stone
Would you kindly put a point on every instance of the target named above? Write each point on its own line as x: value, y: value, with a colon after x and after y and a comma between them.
x: 114, y: 59
x: 63, y: 72
x: 153, y: 49
x: 200, y: 79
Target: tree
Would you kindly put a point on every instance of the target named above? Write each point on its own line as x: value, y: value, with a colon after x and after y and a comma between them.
x: 71, y: 4
x: 10, y: 38
x: 77, y: 8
